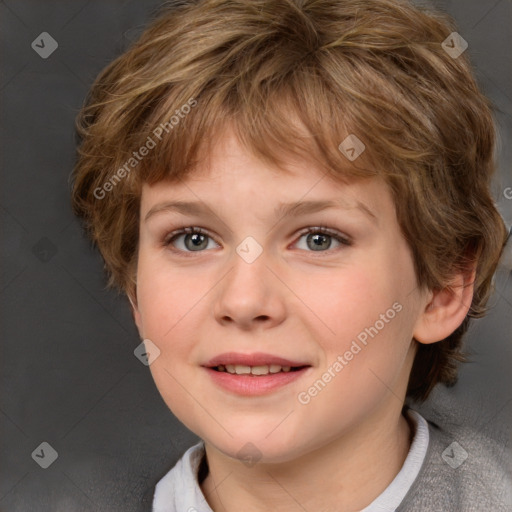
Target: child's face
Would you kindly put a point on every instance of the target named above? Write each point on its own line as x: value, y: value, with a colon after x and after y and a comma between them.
x: 291, y: 302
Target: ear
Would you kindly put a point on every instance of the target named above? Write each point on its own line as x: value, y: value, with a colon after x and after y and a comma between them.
x: 136, y: 314
x: 446, y: 309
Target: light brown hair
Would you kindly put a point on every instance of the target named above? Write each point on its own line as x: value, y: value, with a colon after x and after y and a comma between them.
x: 295, y: 78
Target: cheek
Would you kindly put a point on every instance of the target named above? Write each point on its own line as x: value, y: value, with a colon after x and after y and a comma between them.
x: 343, y: 303
x: 361, y: 316
x: 168, y: 305
x: 165, y: 296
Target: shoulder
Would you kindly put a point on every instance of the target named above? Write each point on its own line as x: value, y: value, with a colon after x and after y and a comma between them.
x: 464, y: 470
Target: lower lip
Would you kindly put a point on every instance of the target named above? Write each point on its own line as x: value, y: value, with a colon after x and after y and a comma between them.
x: 248, y: 385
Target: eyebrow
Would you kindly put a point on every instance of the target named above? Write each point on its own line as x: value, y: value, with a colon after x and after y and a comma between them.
x: 283, y: 210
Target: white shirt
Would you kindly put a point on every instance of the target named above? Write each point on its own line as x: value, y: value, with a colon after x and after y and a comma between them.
x: 179, y: 490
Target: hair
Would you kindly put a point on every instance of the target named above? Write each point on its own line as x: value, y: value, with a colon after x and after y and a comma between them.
x: 295, y: 78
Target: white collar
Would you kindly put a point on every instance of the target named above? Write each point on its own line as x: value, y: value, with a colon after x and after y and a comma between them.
x: 395, y: 492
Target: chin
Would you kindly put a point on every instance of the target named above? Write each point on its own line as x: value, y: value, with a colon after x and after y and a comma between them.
x: 251, y: 449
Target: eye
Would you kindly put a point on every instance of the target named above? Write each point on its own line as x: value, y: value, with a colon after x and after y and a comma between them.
x: 319, y: 239
x: 194, y: 239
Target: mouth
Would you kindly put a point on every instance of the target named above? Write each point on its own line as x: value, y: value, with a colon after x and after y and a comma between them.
x: 256, y: 371
x: 254, y: 374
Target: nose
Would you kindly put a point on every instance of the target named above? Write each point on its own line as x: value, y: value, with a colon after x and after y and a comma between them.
x: 250, y: 295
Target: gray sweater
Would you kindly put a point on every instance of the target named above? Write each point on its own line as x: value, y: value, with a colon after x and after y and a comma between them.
x: 473, y: 475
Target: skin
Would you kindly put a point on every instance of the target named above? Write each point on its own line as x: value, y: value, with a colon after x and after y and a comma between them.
x: 344, y: 447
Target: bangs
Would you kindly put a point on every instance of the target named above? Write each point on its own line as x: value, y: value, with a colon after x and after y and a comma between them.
x: 278, y: 125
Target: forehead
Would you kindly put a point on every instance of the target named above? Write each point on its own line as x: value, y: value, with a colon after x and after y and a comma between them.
x: 231, y: 174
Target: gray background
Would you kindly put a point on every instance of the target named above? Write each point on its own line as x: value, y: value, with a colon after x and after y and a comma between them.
x: 68, y: 373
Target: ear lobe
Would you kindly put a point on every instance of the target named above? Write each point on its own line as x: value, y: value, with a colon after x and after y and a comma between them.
x: 136, y: 315
x: 446, y: 310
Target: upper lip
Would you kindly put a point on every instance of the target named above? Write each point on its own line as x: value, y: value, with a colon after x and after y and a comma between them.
x: 255, y: 359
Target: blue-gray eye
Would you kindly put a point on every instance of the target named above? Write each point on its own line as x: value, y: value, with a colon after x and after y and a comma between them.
x: 195, y: 240
x: 320, y: 239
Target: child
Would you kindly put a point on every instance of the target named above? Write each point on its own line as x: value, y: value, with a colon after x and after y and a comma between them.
x: 217, y: 155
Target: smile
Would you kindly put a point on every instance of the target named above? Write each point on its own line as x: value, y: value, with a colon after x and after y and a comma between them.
x: 254, y: 374
x: 240, y: 369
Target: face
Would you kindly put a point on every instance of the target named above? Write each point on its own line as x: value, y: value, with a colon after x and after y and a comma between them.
x: 329, y: 292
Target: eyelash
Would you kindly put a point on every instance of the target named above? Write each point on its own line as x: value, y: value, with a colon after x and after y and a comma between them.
x: 324, y: 230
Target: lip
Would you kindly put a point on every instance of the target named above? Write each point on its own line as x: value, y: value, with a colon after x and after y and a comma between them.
x: 254, y: 359
x: 250, y: 385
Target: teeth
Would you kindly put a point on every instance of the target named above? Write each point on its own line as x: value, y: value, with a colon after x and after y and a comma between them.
x: 240, y: 369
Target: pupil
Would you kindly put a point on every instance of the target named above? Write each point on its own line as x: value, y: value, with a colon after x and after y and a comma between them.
x: 198, y: 241
x: 319, y: 241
